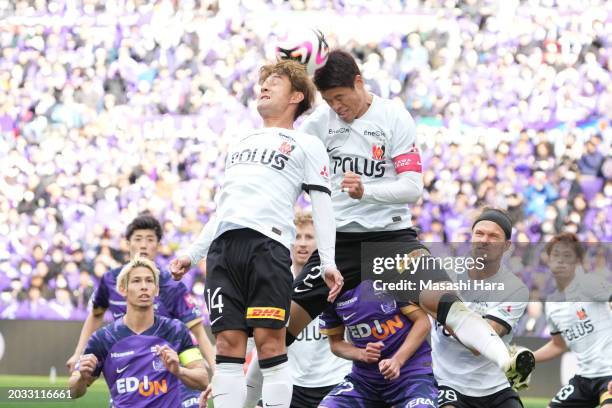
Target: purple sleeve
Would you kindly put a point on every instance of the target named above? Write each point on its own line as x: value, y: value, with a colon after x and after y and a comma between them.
x: 178, y: 301
x: 330, y: 322
x: 101, y: 294
x: 96, y: 347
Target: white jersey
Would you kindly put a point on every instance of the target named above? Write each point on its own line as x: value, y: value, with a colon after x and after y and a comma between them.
x: 379, y: 145
x: 457, y: 367
x: 581, y: 315
x: 265, y: 172
x: 312, y: 363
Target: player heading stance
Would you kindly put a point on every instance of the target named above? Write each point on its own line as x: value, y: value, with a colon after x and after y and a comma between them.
x: 391, y: 358
x: 248, y: 262
x: 466, y: 380
x: 143, y: 236
x: 580, y: 319
x: 314, y: 368
x: 375, y: 173
x: 143, y: 356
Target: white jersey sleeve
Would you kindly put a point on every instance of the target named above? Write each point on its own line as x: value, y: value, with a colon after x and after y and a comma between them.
x: 403, y: 147
x: 507, y: 314
x: 552, y: 326
x: 316, y: 169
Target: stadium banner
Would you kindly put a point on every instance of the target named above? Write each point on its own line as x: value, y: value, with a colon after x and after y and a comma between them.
x: 493, y: 272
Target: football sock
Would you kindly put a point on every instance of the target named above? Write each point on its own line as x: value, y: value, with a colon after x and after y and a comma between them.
x: 277, y: 384
x: 474, y: 332
x: 229, y: 383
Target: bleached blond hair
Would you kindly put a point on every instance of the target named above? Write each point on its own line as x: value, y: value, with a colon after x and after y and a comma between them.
x: 124, y: 275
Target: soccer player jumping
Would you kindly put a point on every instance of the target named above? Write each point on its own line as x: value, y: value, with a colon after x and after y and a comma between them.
x: 375, y: 173
x: 247, y: 244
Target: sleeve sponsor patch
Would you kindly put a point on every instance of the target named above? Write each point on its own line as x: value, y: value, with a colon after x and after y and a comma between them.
x: 410, y: 161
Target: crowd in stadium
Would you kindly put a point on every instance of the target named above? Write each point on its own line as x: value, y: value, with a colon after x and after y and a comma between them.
x: 101, y: 121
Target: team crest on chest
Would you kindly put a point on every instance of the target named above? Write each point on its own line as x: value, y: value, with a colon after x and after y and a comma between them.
x: 378, y: 152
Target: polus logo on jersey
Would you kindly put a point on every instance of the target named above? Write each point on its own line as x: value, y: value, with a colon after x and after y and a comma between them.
x: 379, y: 330
x: 265, y: 313
x: 144, y: 387
x: 378, y: 152
x: 266, y: 157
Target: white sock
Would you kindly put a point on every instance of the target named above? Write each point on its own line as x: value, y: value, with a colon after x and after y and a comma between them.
x: 254, y: 383
x: 229, y: 385
x: 474, y: 332
x: 277, y: 386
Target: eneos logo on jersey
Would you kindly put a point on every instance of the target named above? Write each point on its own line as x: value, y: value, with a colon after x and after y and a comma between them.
x: 265, y: 313
x: 379, y: 330
x: 145, y: 387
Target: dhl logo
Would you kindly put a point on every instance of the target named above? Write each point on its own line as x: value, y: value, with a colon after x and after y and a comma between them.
x: 379, y: 330
x: 145, y: 387
x: 265, y: 313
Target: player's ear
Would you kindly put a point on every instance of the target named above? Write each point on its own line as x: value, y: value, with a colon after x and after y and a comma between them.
x: 358, y: 83
x: 296, y: 97
x: 122, y: 290
x: 507, y: 245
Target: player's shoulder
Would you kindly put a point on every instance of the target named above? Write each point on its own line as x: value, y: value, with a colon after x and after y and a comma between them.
x: 306, y: 141
x: 391, y: 108
x: 169, y: 327
x: 514, y: 287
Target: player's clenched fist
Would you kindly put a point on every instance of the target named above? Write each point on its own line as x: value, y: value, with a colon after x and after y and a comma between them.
x: 87, y: 365
x: 390, y: 368
x: 352, y: 185
x: 371, y: 354
x: 179, y: 267
x: 169, y: 358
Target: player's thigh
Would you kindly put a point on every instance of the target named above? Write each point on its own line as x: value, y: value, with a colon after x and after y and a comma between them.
x: 352, y: 394
x: 269, y: 285
x: 413, y: 391
x: 575, y: 394
x: 224, y: 297
x: 450, y: 398
x: 305, y: 397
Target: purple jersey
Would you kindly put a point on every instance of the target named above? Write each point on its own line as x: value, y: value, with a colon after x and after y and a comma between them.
x: 174, y: 299
x: 135, y: 375
x: 370, y: 316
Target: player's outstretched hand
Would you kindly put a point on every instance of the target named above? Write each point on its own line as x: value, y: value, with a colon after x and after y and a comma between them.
x: 390, y: 368
x: 352, y: 185
x: 87, y: 365
x: 169, y: 358
x: 71, y: 362
x: 205, y: 396
x: 371, y: 354
x: 334, y: 281
x: 179, y: 267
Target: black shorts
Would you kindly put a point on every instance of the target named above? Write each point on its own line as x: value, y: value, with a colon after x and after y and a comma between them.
x: 582, y: 392
x: 308, y: 397
x: 310, y: 290
x: 506, y: 398
x: 248, y: 281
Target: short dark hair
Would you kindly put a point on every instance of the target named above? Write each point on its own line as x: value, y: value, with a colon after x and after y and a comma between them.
x: 144, y: 222
x: 339, y: 71
x: 566, y: 238
x: 300, y: 82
